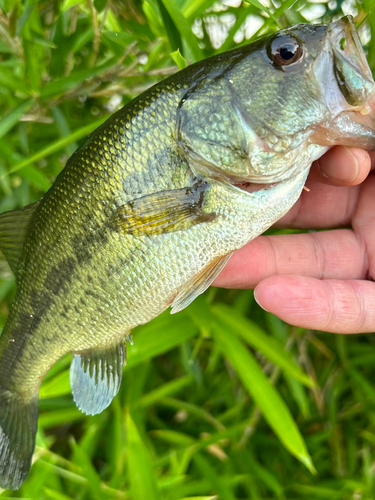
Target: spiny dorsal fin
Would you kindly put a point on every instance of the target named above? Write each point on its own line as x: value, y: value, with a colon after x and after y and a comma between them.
x: 13, y: 230
x: 95, y: 377
x: 162, y: 212
x: 199, y: 283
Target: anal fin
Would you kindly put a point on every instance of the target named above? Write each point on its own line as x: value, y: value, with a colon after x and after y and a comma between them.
x: 95, y: 377
x: 199, y: 283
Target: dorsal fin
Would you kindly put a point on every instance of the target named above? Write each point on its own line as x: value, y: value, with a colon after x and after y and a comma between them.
x: 13, y: 230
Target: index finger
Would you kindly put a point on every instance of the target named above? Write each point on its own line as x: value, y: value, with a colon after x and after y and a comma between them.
x: 324, y: 255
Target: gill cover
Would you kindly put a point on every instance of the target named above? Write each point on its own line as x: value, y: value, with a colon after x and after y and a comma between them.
x: 263, y: 102
x: 260, y: 117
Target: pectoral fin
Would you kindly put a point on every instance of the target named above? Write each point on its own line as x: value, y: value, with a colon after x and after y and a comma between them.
x: 95, y: 377
x: 199, y: 283
x: 162, y: 212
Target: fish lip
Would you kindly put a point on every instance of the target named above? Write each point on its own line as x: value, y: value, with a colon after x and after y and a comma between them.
x: 348, y: 89
x: 344, y: 29
x: 252, y: 187
x: 343, y: 56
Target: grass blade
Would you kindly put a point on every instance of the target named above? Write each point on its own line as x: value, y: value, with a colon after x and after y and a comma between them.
x: 265, y: 395
x: 57, y: 145
x: 94, y: 480
x: 257, y: 338
x: 8, y: 122
x: 216, y: 480
x: 179, y: 59
x: 173, y: 34
x: 164, y: 391
x: 159, y: 336
x: 141, y: 473
x: 184, y: 28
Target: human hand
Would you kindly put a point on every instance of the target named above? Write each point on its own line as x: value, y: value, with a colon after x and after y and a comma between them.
x: 320, y: 280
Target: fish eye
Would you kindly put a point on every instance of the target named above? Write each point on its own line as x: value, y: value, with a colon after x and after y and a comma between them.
x: 285, y: 50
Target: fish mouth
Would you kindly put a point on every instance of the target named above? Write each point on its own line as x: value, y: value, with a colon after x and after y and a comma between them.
x: 348, y: 87
x: 251, y: 187
x: 349, y: 57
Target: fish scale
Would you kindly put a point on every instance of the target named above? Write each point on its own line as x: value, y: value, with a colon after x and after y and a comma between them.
x: 149, y: 210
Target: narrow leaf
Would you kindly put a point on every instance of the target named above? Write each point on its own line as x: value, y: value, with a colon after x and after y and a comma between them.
x: 363, y: 384
x: 209, y: 472
x: 59, y: 417
x: 265, y: 395
x: 89, y: 472
x: 161, y: 335
x: 64, y: 128
x: 58, y: 386
x: 164, y: 391
x: 179, y: 59
x: 62, y: 85
x: 173, y: 34
x: 37, y: 177
x: 32, y: 65
x: 194, y: 8
x: 8, y: 122
x: 262, y: 8
x: 236, y: 323
x: 184, y: 28
x: 57, y: 145
x: 141, y: 473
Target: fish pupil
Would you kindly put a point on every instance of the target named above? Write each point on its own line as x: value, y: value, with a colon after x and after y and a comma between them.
x: 284, y: 50
x: 287, y: 52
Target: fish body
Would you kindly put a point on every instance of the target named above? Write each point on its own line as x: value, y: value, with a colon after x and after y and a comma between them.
x: 148, y: 211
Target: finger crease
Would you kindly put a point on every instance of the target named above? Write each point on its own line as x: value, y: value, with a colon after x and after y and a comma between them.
x: 330, y: 304
x: 272, y: 257
x: 360, y: 299
x: 319, y: 255
x: 351, y: 205
x: 365, y: 252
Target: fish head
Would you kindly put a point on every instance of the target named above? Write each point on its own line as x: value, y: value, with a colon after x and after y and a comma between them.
x: 268, y: 109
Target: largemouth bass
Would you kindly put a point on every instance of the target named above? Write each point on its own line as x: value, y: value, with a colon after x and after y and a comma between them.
x: 149, y: 210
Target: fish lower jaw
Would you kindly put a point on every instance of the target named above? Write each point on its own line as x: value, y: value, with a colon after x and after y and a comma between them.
x: 254, y: 187
x: 251, y: 187
x: 350, y: 128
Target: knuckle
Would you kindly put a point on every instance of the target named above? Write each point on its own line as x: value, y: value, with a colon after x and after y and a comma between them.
x: 319, y: 256
x: 346, y: 307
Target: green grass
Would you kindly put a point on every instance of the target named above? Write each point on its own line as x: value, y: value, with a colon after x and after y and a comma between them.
x: 222, y: 401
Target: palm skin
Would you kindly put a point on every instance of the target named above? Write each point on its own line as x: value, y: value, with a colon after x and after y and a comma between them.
x: 319, y: 280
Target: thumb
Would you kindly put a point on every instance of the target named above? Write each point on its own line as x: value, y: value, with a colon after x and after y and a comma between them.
x: 342, y: 166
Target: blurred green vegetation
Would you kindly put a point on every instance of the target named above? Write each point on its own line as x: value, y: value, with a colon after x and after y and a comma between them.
x: 222, y: 401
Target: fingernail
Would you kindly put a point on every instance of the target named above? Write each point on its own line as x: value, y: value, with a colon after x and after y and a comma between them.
x: 257, y: 301
x: 346, y: 171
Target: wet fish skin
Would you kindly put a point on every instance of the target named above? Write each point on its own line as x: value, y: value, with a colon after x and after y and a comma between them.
x: 147, y: 211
